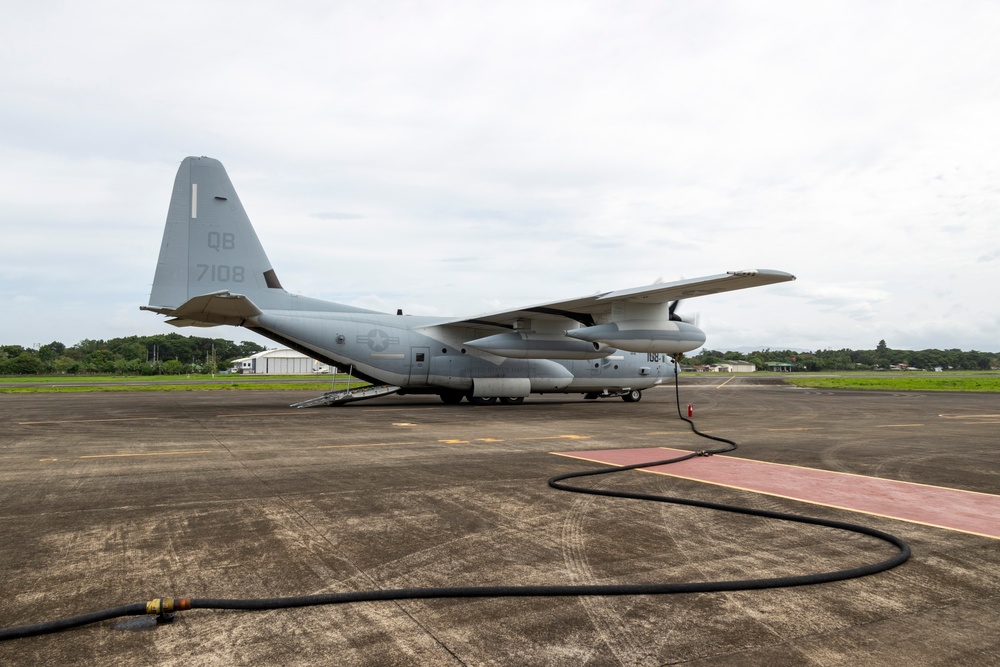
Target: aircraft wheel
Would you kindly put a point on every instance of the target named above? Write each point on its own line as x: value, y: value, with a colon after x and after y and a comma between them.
x: 633, y: 396
x: 512, y: 400
x: 451, y: 397
x: 482, y: 400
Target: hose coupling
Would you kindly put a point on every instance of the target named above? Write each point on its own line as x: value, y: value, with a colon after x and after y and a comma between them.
x: 164, y: 608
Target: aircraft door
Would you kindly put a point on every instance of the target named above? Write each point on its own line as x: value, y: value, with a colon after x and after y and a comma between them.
x: 420, y: 361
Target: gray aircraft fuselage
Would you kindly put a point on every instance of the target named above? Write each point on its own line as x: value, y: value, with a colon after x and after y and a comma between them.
x: 212, y: 270
x: 423, y: 354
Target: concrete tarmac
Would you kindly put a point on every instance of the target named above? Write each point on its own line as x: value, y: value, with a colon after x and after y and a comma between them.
x: 110, y: 499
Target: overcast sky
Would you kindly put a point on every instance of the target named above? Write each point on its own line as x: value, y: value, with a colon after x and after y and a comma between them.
x: 456, y: 157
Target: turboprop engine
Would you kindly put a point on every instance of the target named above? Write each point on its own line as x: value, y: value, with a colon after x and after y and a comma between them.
x: 671, y: 337
x: 531, y: 345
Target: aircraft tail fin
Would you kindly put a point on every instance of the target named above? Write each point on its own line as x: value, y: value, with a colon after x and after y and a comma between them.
x: 209, y: 245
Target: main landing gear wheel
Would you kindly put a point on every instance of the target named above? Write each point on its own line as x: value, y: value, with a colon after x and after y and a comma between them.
x: 512, y: 400
x: 633, y: 396
x: 482, y: 400
x: 451, y: 397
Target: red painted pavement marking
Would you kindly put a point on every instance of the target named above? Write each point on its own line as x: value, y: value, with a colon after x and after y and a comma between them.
x: 953, y: 509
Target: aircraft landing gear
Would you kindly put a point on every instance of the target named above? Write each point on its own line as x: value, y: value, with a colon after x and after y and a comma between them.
x: 455, y: 397
x: 451, y: 397
x: 482, y: 400
x: 490, y: 400
x: 630, y: 396
x: 633, y: 396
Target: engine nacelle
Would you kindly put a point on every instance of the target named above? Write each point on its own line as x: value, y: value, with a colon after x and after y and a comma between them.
x: 662, y: 336
x: 540, y: 346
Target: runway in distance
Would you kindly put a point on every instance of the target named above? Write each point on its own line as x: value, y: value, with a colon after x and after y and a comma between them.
x: 212, y: 270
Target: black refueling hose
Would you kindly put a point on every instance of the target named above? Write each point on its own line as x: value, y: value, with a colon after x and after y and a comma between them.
x: 164, y: 608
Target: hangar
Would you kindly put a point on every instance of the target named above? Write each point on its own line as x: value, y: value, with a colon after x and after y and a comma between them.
x: 726, y: 366
x: 278, y: 362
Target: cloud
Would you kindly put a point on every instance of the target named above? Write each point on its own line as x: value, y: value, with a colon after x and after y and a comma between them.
x: 856, y: 301
x: 514, y: 153
x: 338, y: 216
x: 989, y: 257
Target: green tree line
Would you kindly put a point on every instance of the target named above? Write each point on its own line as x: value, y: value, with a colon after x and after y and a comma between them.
x: 173, y: 354
x: 881, y: 358
x: 166, y: 354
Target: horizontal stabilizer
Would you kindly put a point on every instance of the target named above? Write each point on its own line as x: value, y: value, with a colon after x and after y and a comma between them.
x: 211, y: 309
x: 178, y: 322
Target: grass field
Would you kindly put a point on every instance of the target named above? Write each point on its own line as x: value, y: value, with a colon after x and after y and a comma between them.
x: 105, y: 383
x: 977, y: 382
x: 971, y: 381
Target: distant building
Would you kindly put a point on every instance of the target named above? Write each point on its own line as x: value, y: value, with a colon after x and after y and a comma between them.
x: 728, y: 366
x: 278, y: 362
x: 779, y: 366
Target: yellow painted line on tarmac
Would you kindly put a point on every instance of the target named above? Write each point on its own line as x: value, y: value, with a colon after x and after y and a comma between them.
x: 367, y: 444
x: 969, y: 416
x: 86, y: 421
x: 720, y: 386
x: 800, y: 428
x: 456, y: 441
x: 967, y: 420
x: 113, y: 456
x: 284, y: 413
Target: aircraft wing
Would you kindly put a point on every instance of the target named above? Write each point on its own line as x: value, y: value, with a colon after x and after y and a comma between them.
x: 587, y: 309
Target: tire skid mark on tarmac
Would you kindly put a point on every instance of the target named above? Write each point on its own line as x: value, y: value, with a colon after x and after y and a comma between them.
x: 604, y: 613
x: 580, y: 572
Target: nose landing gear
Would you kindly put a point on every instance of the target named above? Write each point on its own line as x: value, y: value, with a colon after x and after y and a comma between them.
x: 632, y: 396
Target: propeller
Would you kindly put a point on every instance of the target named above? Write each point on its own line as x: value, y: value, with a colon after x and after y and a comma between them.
x: 674, y: 317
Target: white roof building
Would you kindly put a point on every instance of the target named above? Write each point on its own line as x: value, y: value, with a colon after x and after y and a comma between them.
x: 279, y: 362
x: 729, y: 366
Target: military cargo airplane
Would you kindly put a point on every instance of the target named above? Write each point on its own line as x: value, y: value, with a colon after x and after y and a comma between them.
x: 212, y: 270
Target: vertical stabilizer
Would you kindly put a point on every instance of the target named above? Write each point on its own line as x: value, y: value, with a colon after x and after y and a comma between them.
x: 208, y: 244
